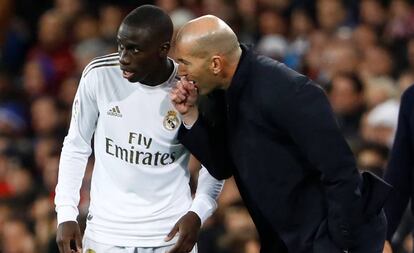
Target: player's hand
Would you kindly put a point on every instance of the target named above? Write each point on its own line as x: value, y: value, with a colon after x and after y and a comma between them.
x: 187, y: 227
x: 69, y: 231
x: 184, y: 98
x: 387, y: 247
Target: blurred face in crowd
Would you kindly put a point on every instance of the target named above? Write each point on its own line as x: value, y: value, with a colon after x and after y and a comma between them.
x: 167, y: 5
x: 247, y: 8
x: 378, y: 91
x: 364, y: 37
x: 87, y: 27
x: 270, y: 22
x: 140, y: 53
x: 369, y: 159
x: 344, y: 96
x: 5, y: 14
x: 330, y: 14
x: 69, y: 8
x: 400, y: 9
x: 318, y: 41
x: 43, y: 148
x: 301, y: 23
x: 405, y: 81
x: 34, y: 80
x: 110, y: 18
x: 51, y: 30
x: 237, y: 218
x: 339, y: 57
x: 372, y: 13
x: 16, y: 238
x: 20, y: 181
x: 50, y: 172
x: 410, y: 49
x: 377, y: 62
x: 45, y: 115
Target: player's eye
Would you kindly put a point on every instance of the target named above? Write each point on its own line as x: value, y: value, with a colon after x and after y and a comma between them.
x: 136, y: 50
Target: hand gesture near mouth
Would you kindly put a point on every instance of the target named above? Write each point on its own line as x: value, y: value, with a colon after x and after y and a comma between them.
x: 184, y: 97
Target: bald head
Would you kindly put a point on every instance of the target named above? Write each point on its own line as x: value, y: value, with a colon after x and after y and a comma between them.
x: 208, y: 35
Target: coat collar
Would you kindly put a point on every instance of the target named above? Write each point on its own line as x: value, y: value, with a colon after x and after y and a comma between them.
x: 242, y: 71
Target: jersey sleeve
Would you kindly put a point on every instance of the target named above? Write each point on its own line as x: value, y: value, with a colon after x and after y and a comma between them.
x: 208, y: 190
x: 76, y: 149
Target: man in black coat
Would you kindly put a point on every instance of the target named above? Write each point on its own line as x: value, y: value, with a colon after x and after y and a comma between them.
x: 274, y: 131
x: 399, y: 171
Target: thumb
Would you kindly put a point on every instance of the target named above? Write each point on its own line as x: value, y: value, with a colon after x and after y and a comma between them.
x: 172, y: 233
x: 78, y: 240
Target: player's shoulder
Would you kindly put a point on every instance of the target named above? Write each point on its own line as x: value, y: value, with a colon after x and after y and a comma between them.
x: 105, y: 61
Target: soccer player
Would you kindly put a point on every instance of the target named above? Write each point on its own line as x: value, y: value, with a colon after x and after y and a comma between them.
x: 140, y: 194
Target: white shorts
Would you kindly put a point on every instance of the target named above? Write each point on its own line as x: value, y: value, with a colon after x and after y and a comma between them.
x: 90, y: 246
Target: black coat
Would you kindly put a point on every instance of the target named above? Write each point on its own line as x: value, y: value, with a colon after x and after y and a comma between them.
x: 273, y: 129
x: 399, y: 171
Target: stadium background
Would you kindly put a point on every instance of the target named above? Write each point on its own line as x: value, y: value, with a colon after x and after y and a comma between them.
x: 361, y: 52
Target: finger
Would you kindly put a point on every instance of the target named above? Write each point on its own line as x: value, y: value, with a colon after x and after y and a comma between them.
x: 183, y: 79
x: 78, y: 240
x: 173, y: 249
x: 190, y: 85
x: 178, y: 247
x: 60, y: 246
x: 194, y: 91
x: 66, y: 246
x: 188, y: 242
x: 172, y: 233
x: 176, y: 98
x: 182, y: 92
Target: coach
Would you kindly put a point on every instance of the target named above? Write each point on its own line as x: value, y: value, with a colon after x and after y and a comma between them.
x: 274, y: 131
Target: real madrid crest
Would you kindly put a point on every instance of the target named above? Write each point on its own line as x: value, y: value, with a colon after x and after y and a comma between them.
x: 90, y: 251
x: 171, y: 120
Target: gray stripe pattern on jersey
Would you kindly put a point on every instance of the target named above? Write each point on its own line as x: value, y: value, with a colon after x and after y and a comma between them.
x: 102, y: 61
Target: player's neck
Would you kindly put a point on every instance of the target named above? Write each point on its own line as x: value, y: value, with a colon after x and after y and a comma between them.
x: 160, y: 75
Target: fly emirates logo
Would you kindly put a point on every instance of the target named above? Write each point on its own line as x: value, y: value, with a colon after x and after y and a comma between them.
x: 132, y: 155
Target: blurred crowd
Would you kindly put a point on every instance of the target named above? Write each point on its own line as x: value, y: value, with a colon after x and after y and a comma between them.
x: 360, y: 51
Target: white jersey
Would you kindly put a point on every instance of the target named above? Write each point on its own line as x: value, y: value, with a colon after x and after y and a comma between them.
x: 140, y: 182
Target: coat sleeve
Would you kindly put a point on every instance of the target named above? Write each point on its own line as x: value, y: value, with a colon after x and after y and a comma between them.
x: 305, y: 114
x: 401, y: 164
x: 208, y: 144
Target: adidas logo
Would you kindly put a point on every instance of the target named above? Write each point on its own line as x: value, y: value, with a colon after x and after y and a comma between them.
x: 115, y: 112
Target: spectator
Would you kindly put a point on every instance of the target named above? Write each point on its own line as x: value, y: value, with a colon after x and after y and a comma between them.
x: 346, y: 95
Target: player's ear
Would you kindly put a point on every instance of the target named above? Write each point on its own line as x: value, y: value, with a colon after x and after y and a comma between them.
x: 216, y: 64
x: 165, y: 48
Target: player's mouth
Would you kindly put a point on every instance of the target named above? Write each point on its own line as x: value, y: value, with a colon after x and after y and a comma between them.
x: 127, y: 75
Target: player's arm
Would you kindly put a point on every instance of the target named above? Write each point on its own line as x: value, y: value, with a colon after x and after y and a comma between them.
x: 203, y: 206
x: 194, y: 167
x: 74, y: 157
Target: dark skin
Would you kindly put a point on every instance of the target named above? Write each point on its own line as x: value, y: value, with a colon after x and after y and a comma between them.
x: 142, y: 53
x: 143, y: 58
